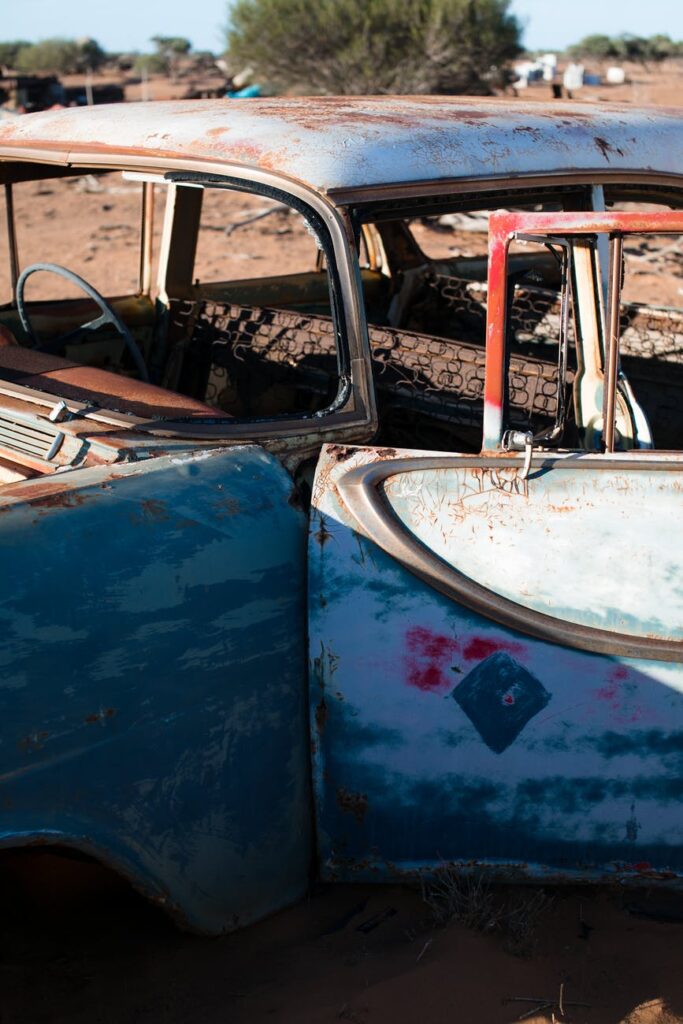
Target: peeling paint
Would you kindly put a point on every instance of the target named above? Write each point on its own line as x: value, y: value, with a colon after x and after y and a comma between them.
x: 353, y: 803
x: 158, y: 664
x: 385, y: 139
x: 475, y: 745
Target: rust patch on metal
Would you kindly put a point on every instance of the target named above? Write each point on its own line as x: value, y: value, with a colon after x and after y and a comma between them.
x: 321, y: 715
x: 226, y: 508
x: 60, y: 499
x: 100, y: 716
x: 606, y: 147
x: 322, y: 534
x: 339, y: 453
x: 35, y: 741
x: 154, y: 509
x: 527, y: 129
x: 353, y: 803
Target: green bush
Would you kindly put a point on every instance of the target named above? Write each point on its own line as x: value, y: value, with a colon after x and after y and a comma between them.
x: 597, y: 47
x: 171, y: 49
x: 63, y: 56
x: 152, y: 63
x: 374, y: 46
x: 10, y: 51
x: 626, y: 47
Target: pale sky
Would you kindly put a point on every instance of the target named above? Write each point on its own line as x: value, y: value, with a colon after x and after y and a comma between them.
x: 128, y: 24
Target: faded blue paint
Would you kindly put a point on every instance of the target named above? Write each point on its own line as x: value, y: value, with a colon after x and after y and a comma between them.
x: 499, y: 697
x: 415, y: 765
x: 151, y: 693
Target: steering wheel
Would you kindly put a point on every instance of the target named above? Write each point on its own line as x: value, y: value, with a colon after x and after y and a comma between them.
x: 108, y: 315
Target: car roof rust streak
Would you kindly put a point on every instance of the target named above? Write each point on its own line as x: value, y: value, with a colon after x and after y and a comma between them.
x: 336, y: 143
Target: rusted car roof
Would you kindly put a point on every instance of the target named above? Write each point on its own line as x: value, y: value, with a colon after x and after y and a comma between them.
x: 344, y: 143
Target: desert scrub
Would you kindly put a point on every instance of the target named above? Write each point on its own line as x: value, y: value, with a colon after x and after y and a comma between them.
x: 472, y: 901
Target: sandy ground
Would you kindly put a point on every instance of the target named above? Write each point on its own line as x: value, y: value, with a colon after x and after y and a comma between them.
x: 662, y: 86
x: 77, y: 946
x: 92, y: 226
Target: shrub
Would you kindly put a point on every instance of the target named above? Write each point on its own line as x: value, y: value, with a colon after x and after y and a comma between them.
x: 626, y: 47
x: 10, y: 51
x: 152, y: 63
x: 374, y: 46
x: 63, y: 56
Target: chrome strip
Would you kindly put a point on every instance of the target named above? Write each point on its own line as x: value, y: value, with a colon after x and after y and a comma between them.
x: 361, y: 195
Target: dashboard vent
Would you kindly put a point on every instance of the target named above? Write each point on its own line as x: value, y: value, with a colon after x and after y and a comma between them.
x: 30, y: 437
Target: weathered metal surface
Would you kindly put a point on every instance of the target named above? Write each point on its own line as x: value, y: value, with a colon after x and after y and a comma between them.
x: 503, y: 226
x: 152, y: 694
x: 352, y: 142
x: 457, y: 487
x: 441, y: 735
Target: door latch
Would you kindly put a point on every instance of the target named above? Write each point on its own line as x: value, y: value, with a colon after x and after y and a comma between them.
x: 520, y: 441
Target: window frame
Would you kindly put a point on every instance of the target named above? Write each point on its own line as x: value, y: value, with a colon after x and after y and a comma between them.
x: 504, y: 227
x: 194, y: 180
x: 144, y: 244
x: 352, y: 417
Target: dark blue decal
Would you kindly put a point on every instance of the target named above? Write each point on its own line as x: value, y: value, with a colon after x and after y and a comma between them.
x: 499, y: 697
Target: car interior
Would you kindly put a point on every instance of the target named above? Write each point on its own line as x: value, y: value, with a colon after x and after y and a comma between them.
x: 220, y: 342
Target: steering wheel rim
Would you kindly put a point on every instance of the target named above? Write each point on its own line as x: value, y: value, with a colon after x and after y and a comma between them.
x: 108, y: 315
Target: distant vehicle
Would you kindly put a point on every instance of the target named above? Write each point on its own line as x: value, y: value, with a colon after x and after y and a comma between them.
x: 249, y: 92
x: 102, y: 92
x: 362, y: 557
x: 29, y: 93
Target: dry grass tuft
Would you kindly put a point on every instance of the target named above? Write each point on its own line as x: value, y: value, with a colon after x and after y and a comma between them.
x: 525, y: 908
x: 472, y: 901
x: 468, y: 899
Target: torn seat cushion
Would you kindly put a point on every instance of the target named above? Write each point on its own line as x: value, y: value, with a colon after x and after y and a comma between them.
x: 90, y: 385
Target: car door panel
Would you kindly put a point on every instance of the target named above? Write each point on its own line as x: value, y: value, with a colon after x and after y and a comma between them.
x: 444, y: 733
x: 153, y: 625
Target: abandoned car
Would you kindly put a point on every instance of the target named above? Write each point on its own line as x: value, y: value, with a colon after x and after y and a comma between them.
x: 340, y: 487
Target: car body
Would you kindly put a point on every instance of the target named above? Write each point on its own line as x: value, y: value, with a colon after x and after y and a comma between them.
x: 359, y: 569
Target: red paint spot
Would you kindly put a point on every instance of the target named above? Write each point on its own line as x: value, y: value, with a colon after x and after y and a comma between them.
x: 642, y: 865
x: 430, y: 645
x: 609, y: 692
x: 508, y: 699
x: 480, y: 647
x: 429, y: 659
x: 621, y: 695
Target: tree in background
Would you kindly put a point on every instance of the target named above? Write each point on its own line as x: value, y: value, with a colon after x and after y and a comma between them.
x: 10, y: 51
x: 170, y: 51
x: 90, y: 54
x: 637, y: 49
x: 594, y: 47
x: 150, y: 64
x: 662, y: 47
x: 63, y: 56
x: 374, y: 46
